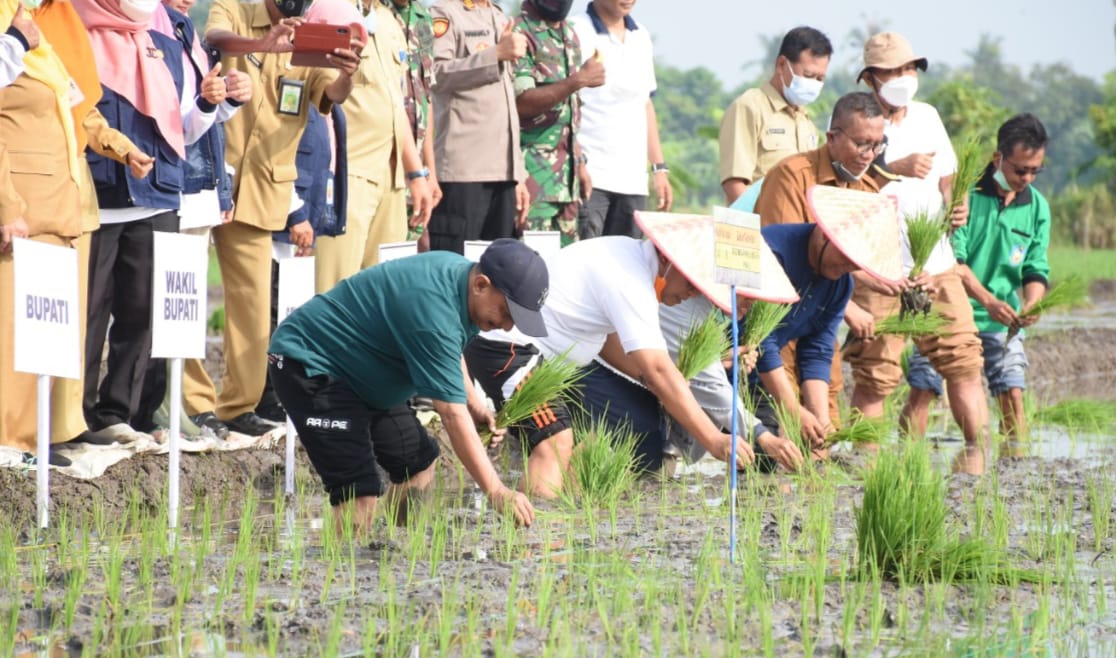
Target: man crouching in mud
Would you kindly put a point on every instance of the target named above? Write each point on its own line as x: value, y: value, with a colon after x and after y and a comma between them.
x: 345, y: 363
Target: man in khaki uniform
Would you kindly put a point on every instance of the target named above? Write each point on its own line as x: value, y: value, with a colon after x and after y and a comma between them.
x: 476, y: 137
x: 262, y: 142
x: 381, y: 154
x: 766, y: 124
x: 854, y: 139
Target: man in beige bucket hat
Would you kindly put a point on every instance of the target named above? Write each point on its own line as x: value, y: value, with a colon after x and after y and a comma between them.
x: 921, y: 158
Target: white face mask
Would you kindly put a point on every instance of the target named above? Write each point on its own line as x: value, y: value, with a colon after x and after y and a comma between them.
x: 898, y: 92
x: 139, y: 11
x: 801, y: 91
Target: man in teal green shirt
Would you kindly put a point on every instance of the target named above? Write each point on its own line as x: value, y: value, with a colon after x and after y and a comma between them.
x: 1002, y: 251
x: 345, y: 363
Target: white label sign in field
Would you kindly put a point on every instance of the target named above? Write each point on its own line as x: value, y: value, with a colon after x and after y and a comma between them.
x: 474, y: 249
x: 178, y: 311
x: 547, y: 243
x: 296, y: 283
x: 737, y: 247
x: 396, y: 250
x: 47, y: 317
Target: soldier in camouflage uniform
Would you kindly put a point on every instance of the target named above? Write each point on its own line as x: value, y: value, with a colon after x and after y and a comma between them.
x: 418, y: 27
x: 547, y: 79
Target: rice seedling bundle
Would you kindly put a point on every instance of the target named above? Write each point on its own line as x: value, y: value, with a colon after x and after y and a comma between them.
x: 602, y: 461
x: 924, y: 232
x: 1079, y: 414
x: 704, y: 344
x: 972, y: 157
x: 762, y: 319
x: 913, y: 325
x: 861, y: 430
x: 901, y: 528
x: 1067, y: 293
x: 551, y: 380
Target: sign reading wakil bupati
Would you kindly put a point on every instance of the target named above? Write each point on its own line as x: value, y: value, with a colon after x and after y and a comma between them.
x: 178, y: 313
x: 47, y: 317
x: 296, y: 284
x: 737, y: 247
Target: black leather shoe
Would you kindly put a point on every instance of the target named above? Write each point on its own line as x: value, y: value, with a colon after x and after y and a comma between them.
x: 250, y: 424
x: 207, y: 419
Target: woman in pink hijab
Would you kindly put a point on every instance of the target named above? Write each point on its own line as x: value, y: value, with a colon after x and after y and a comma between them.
x: 145, y: 97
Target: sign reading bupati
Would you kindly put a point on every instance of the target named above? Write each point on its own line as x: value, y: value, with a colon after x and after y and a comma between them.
x: 737, y: 245
x: 178, y: 310
x: 47, y: 317
x: 296, y: 284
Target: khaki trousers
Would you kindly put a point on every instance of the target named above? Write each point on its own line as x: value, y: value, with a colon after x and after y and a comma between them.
x: 244, y: 255
x: 375, y: 215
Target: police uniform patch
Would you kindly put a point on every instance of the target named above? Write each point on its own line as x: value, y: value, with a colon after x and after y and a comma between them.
x: 1017, y: 254
x: 441, y: 26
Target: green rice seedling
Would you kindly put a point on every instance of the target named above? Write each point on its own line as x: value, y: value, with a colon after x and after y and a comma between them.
x: 704, y: 343
x: 913, y: 325
x: 901, y: 528
x: 861, y: 429
x: 1100, y: 493
x: 762, y: 319
x: 972, y: 157
x: 924, y: 231
x: 1068, y: 293
x: 1094, y: 416
x: 601, y: 463
x: 551, y: 380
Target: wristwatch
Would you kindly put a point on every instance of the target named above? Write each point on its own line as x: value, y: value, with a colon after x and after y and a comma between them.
x: 582, y: 159
x: 418, y: 173
x: 659, y: 167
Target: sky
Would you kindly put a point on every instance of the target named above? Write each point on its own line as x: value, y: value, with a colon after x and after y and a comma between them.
x: 724, y: 35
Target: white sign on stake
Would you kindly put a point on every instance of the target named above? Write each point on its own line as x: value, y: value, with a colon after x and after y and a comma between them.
x: 474, y: 249
x: 296, y: 283
x: 47, y: 317
x: 547, y: 243
x: 178, y: 309
x: 396, y: 250
x: 737, y: 247
x: 199, y: 210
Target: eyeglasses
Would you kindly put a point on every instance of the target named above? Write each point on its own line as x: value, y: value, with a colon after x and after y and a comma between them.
x: 863, y: 148
x: 1024, y: 171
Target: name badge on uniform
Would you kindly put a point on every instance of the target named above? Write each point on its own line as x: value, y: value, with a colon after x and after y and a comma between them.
x: 290, y: 96
x: 76, y: 97
x: 776, y: 131
x: 329, y: 191
x: 255, y: 60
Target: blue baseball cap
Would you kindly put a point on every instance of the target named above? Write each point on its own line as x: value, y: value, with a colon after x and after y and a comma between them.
x: 519, y: 272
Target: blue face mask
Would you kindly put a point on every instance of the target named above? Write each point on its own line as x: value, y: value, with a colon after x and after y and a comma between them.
x: 801, y: 91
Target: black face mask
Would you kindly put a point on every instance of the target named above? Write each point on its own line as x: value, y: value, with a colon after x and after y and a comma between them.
x: 293, y: 8
x: 844, y: 174
x: 553, y: 10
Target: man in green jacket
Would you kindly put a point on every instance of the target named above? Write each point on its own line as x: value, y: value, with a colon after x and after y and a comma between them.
x: 1002, y: 258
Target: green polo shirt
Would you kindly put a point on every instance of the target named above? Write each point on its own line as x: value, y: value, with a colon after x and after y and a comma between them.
x: 390, y: 332
x: 1004, y: 246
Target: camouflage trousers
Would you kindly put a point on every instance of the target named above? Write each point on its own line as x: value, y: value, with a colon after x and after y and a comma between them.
x: 554, y: 216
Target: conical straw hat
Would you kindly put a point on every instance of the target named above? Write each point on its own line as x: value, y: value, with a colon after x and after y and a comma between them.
x: 863, y: 225
x: 687, y: 242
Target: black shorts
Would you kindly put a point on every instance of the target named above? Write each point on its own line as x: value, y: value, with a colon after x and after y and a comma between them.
x: 345, y: 438
x: 493, y: 363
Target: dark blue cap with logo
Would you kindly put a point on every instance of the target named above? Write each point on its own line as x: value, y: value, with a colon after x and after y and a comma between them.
x: 519, y: 272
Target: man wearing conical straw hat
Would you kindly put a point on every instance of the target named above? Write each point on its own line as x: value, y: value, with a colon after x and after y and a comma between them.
x: 852, y: 231
x: 614, y: 285
x: 854, y: 139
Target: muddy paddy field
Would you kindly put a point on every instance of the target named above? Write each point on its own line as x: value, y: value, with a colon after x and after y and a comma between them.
x: 641, y: 569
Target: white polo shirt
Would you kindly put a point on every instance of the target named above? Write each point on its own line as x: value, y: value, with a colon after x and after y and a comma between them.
x: 921, y: 131
x: 613, y: 132
x: 597, y: 287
